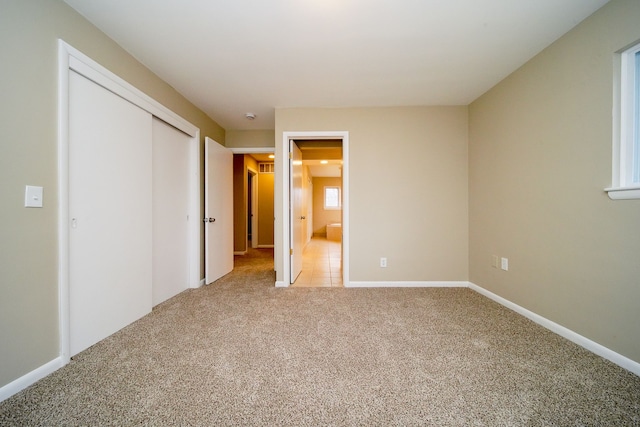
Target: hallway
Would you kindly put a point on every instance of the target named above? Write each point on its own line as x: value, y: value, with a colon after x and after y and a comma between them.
x: 321, y: 264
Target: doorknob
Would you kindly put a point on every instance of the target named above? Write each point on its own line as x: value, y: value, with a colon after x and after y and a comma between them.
x: 303, y: 217
x: 212, y: 220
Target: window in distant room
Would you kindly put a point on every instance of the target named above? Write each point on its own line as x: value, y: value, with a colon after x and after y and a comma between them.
x: 332, y: 197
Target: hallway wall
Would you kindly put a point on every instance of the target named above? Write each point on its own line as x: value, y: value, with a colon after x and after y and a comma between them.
x: 265, y: 209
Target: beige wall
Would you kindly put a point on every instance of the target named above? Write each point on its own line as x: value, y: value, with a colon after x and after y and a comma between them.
x: 28, y: 254
x: 407, y: 189
x: 249, y: 138
x: 540, y: 157
x: 322, y: 216
x: 265, y: 209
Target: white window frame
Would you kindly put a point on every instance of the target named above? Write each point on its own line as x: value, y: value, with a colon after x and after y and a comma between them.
x: 324, y: 194
x: 626, y: 127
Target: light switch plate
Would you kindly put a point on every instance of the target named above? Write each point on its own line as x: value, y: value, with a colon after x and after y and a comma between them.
x: 33, y: 197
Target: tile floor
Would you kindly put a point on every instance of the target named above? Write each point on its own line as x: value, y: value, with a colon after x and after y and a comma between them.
x: 321, y: 264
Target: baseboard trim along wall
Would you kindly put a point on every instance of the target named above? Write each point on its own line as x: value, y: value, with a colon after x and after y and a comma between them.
x: 584, y: 342
x: 240, y: 252
x: 30, y: 378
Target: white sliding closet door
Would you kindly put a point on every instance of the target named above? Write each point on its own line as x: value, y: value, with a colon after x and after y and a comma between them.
x: 110, y: 209
x: 171, y: 151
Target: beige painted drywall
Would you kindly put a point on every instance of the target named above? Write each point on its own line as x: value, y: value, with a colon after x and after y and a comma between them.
x: 249, y: 138
x: 407, y: 189
x: 322, y: 216
x: 239, y: 203
x: 28, y: 155
x: 265, y: 209
x: 540, y: 156
x: 241, y: 165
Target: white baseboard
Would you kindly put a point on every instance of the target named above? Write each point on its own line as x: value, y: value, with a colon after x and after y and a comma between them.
x: 584, y: 342
x: 240, y: 252
x: 281, y: 284
x: 197, y: 285
x: 30, y: 378
x: 408, y: 284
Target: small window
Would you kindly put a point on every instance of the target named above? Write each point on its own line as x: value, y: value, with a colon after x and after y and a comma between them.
x: 626, y: 140
x: 332, y: 197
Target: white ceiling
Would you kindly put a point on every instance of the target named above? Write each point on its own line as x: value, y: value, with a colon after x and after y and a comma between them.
x: 230, y: 57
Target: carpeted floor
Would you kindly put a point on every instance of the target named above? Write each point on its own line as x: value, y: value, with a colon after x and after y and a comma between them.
x: 241, y: 352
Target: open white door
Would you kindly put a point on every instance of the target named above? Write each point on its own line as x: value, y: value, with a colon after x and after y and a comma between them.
x: 218, y: 199
x: 297, y: 218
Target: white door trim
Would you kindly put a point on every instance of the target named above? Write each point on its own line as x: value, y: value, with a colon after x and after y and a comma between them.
x: 250, y: 150
x: 282, y: 166
x: 70, y: 58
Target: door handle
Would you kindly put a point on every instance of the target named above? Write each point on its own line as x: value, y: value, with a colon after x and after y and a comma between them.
x: 209, y: 220
x: 303, y: 217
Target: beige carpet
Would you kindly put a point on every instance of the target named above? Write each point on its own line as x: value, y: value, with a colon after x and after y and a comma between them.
x: 241, y: 352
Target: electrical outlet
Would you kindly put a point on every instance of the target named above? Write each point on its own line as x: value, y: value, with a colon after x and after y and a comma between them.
x: 383, y: 262
x: 504, y: 264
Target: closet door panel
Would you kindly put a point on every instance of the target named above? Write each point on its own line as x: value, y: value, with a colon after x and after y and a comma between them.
x: 170, y: 211
x: 110, y: 206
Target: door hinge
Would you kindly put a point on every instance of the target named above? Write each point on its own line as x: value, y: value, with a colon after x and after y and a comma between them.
x: 291, y: 155
x: 290, y: 251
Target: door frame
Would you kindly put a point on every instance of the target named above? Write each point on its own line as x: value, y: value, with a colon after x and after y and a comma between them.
x: 282, y: 167
x: 70, y: 58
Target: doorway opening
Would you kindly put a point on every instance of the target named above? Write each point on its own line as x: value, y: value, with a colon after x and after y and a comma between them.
x: 321, y: 205
x: 253, y: 200
x: 305, y: 224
